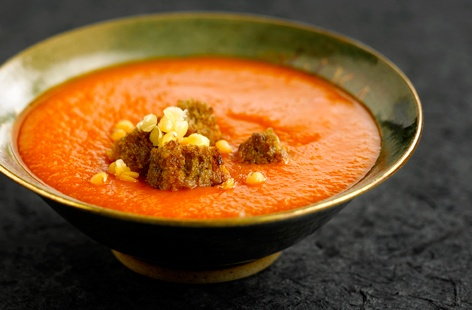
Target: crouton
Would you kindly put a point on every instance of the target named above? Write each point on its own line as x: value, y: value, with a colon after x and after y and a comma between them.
x: 134, y: 149
x: 201, y: 119
x: 262, y: 148
x: 175, y: 166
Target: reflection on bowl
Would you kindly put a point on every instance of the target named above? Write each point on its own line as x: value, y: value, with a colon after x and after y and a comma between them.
x: 208, y: 250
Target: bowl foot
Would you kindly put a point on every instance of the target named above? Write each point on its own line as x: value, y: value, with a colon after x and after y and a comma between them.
x: 232, y: 273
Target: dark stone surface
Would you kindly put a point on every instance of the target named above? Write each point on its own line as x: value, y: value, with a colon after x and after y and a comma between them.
x: 404, y: 245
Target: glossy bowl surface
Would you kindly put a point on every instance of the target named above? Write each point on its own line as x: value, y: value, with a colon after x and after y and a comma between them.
x: 359, y: 70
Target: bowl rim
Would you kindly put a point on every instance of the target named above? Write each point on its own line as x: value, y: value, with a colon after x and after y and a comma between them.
x: 326, y: 204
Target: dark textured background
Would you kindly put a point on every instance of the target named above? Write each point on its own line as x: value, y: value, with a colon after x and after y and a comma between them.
x: 405, y: 245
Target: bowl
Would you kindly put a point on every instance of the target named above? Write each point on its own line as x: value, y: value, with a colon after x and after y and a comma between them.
x: 202, y: 251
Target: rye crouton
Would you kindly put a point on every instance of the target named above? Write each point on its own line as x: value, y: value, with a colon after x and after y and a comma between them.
x: 135, y: 150
x: 262, y: 148
x: 201, y: 119
x: 174, y: 166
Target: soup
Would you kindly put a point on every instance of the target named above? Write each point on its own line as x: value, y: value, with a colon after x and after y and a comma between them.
x: 331, y: 139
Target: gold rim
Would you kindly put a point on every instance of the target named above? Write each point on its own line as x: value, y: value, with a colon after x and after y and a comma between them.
x: 260, y: 219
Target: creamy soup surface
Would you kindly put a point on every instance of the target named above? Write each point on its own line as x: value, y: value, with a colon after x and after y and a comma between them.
x: 332, y: 139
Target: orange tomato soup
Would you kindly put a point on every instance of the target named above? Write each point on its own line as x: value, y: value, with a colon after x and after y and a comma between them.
x: 332, y: 139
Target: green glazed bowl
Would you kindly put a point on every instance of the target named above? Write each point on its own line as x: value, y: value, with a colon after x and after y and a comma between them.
x: 208, y: 250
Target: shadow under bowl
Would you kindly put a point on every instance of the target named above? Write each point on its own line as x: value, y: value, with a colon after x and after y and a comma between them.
x: 208, y: 250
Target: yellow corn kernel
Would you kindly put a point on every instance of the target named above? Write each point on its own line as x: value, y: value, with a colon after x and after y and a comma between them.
x: 131, y: 174
x: 99, y: 178
x: 126, y: 177
x: 148, y: 123
x: 155, y: 136
x: 196, y: 139
x: 165, y: 124
x: 122, y: 171
x: 111, y: 168
x: 180, y: 127
x: 255, y: 178
x: 120, y: 167
x: 170, y: 136
x: 125, y: 125
x: 118, y: 134
x: 228, y: 184
x: 175, y: 114
x: 223, y: 146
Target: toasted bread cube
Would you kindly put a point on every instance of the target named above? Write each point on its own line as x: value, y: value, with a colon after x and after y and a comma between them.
x: 174, y: 166
x: 262, y: 148
x: 201, y: 119
x: 134, y: 149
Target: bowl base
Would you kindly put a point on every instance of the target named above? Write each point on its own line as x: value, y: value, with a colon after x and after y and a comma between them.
x: 232, y: 273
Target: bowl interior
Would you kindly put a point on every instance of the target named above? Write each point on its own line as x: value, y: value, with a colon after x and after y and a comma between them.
x: 355, y: 68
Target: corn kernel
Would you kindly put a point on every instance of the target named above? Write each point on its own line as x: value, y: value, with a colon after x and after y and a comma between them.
x: 122, y: 171
x: 196, y: 139
x: 131, y: 174
x: 120, y: 167
x: 126, y: 177
x: 175, y: 114
x: 99, y: 178
x: 255, y: 178
x: 181, y: 127
x: 111, y: 168
x: 170, y: 136
x: 165, y: 124
x: 148, y: 123
x: 155, y: 136
x: 223, y: 146
x: 125, y: 125
x: 228, y: 184
x: 118, y: 134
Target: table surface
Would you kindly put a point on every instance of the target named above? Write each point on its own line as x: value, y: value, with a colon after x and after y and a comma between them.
x: 405, y: 245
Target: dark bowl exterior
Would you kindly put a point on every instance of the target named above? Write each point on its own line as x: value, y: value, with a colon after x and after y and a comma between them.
x: 194, y: 247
